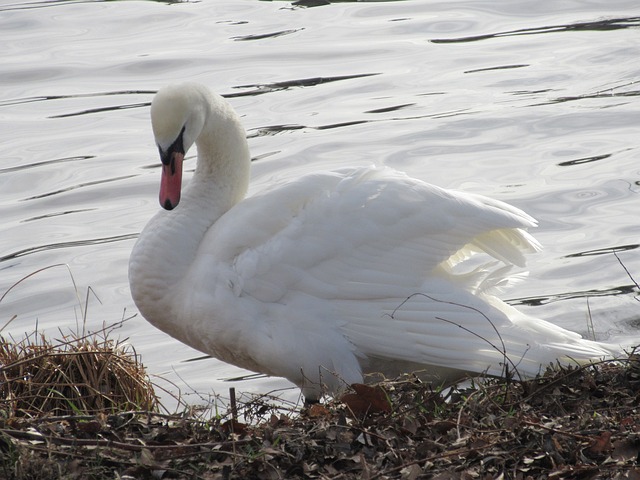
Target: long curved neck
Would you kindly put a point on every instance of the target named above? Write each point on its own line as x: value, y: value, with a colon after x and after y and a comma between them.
x: 222, y: 172
x: 168, y: 245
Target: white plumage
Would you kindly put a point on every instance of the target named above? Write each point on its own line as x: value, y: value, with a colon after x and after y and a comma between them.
x: 334, y: 274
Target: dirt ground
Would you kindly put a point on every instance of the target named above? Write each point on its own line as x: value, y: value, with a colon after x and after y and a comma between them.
x: 571, y: 423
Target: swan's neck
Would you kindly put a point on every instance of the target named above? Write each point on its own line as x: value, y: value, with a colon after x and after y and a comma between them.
x: 168, y: 245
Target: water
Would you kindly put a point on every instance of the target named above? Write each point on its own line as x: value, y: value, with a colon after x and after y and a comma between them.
x: 535, y: 103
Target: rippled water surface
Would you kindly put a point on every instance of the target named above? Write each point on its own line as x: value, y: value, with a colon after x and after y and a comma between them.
x: 535, y: 103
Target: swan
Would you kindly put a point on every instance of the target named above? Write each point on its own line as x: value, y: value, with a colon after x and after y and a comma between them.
x: 332, y: 275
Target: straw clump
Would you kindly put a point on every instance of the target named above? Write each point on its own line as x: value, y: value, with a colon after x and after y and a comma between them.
x: 75, y: 375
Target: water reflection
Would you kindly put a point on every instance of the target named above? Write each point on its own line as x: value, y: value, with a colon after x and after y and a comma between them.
x: 580, y: 161
x: 320, y: 3
x: 537, y: 301
x: 603, y: 25
x: 499, y: 67
x: 390, y: 109
x: 608, y: 93
x: 58, y: 214
x: 260, y: 89
x: 261, y: 36
x: 46, y: 98
x: 603, y: 251
x: 79, y: 185
x: 60, y: 3
x: 75, y: 243
x: 111, y: 108
x: 27, y: 166
x: 618, y: 290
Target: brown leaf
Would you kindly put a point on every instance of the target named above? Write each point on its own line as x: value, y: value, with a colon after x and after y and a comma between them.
x: 367, y: 400
x: 233, y: 426
x: 625, y: 450
x: 317, y: 410
x: 601, y: 444
x: 627, y: 422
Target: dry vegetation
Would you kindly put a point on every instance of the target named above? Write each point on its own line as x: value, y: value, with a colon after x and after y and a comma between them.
x: 576, y: 423
x: 88, y: 375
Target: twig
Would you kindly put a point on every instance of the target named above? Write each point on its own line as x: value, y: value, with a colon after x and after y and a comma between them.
x: 451, y: 453
x: 234, y: 406
x: 502, y: 351
x: 559, y: 432
x: 26, y: 277
x: 615, y: 254
x: 85, y: 442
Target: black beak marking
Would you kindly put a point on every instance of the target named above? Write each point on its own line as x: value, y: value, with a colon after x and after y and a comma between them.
x: 166, y: 157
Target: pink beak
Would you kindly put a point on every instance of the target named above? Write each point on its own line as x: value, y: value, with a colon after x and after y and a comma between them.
x: 171, y: 181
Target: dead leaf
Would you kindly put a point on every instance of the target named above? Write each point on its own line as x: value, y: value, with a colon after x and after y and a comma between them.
x: 409, y: 424
x: 317, y: 410
x: 367, y: 400
x: 411, y: 472
x: 233, y: 426
x: 600, y: 444
x: 624, y: 450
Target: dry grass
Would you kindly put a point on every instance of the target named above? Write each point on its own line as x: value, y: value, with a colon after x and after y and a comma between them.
x: 78, y: 374
x: 74, y: 375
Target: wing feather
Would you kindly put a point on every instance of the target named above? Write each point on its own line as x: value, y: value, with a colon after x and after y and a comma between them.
x: 345, y: 249
x: 348, y: 234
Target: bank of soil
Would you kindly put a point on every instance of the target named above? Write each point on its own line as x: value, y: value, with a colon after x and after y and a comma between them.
x: 571, y: 423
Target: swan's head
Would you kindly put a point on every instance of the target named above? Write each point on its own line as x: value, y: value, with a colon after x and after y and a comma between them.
x: 178, y: 115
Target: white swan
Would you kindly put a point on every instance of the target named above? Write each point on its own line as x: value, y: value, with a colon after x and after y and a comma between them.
x: 332, y: 275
